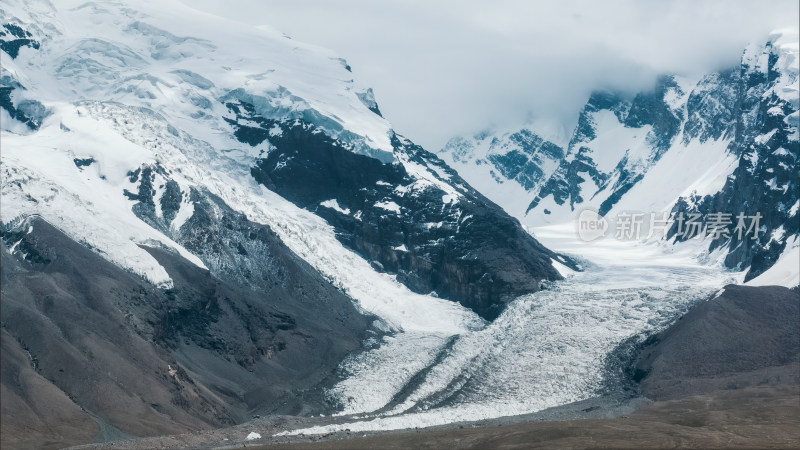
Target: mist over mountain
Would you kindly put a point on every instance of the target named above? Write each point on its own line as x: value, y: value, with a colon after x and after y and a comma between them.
x: 475, y: 64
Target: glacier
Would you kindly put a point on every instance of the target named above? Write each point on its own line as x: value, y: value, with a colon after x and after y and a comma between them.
x: 547, y: 349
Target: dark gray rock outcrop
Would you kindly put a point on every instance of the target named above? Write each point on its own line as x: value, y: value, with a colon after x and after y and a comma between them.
x: 747, y: 336
x: 442, y: 236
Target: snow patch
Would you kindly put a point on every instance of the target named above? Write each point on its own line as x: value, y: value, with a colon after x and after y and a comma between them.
x: 185, y: 212
x: 389, y: 206
x: 793, y: 210
x: 334, y: 205
x: 562, y: 270
x: 252, y: 436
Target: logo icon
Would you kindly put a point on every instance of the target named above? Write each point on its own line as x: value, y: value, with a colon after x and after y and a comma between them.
x: 591, y: 225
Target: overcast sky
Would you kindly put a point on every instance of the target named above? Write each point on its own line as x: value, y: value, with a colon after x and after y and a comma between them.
x: 440, y: 69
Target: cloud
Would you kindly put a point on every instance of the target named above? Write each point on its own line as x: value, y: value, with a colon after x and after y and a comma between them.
x: 445, y: 68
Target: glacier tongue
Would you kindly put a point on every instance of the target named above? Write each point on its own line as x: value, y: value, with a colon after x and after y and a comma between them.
x: 547, y: 349
x: 74, y: 169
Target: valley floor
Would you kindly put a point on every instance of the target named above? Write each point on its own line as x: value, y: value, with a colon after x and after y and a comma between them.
x: 752, y: 417
x: 765, y: 417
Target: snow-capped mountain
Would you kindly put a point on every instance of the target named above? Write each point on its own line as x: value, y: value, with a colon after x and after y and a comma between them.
x: 726, y: 143
x: 126, y: 114
x: 228, y: 208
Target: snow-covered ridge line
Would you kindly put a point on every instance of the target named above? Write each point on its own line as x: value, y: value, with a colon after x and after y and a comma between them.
x: 123, y: 52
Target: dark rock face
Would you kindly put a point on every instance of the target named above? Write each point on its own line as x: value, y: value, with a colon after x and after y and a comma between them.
x: 246, y: 255
x: 767, y: 179
x: 748, y: 336
x: 83, y: 162
x: 522, y: 156
x: 29, y: 112
x: 13, y: 37
x: 523, y: 162
x: 711, y: 108
x: 205, y: 353
x: 437, y: 234
x: 646, y: 108
x: 564, y: 185
x: 651, y: 108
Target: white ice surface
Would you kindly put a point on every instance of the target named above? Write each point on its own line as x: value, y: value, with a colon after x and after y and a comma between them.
x: 686, y: 169
x: 40, y: 178
x: 548, y: 348
x: 614, y: 140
